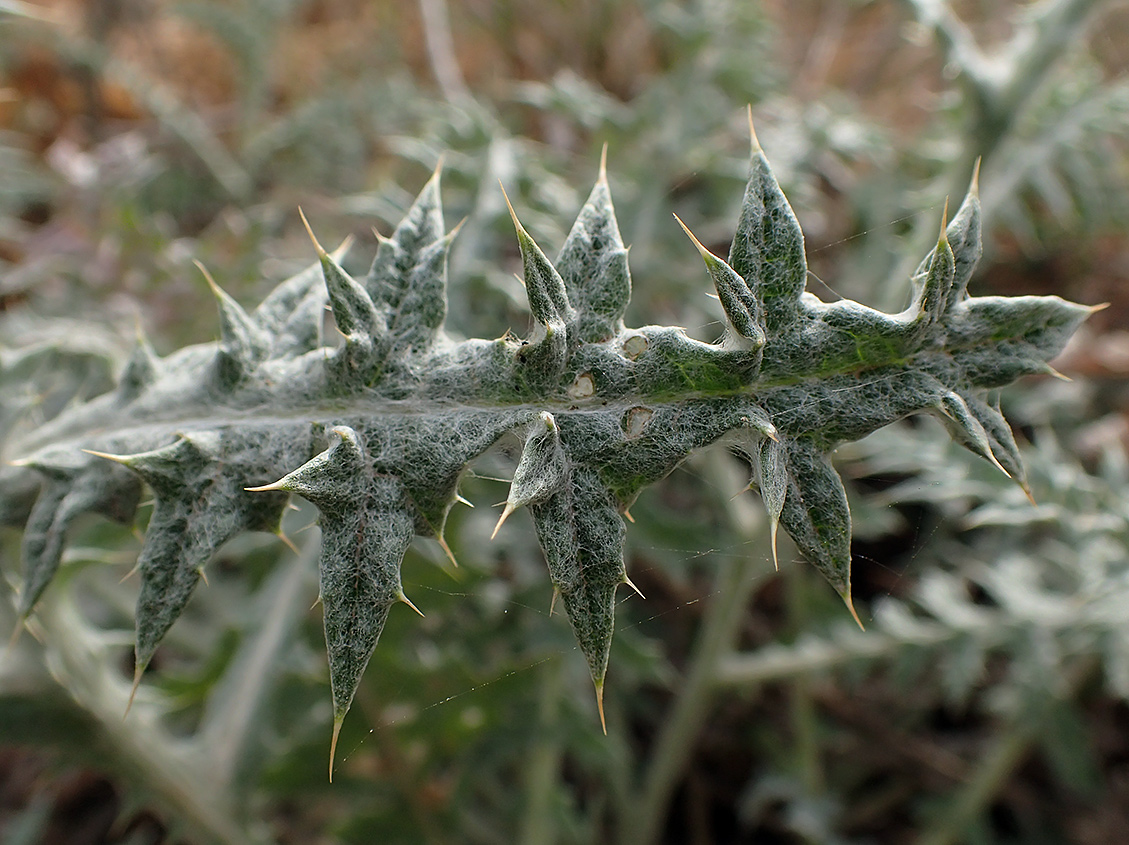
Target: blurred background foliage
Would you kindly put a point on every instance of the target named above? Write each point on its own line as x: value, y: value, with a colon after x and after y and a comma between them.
x: 987, y: 700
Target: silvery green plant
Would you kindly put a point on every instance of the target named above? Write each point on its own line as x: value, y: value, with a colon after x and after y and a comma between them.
x: 377, y: 429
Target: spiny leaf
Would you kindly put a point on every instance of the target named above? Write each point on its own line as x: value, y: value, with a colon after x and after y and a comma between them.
x: 768, y: 247
x: 543, y: 359
x: 593, y: 265
x: 292, y: 313
x: 772, y: 479
x: 933, y: 298
x: 142, y: 370
x: 817, y: 517
x: 366, y: 529
x: 604, y: 410
x: 741, y: 307
x: 71, y: 491
x: 360, y: 358
x: 581, y: 533
x: 198, y: 483
x: 388, y: 279
x: 243, y: 344
x: 541, y: 471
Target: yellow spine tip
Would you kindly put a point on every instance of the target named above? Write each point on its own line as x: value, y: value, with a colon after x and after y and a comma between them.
x: 208, y: 277
x: 138, y: 671
x: 707, y: 256
x: 505, y: 515
x: 266, y: 488
x: 408, y: 602
x: 974, y: 185
x: 203, y: 576
x: 1027, y: 492
x: 513, y: 214
x: 602, y: 179
x: 121, y: 459
x: 553, y: 600
x: 288, y: 543
x: 943, y: 238
x: 851, y: 607
x: 772, y: 539
x: 322, y: 254
x: 454, y: 233
x: 337, y: 722
x: 753, y: 142
x: 447, y: 551
x: 600, y: 705
x: 631, y: 584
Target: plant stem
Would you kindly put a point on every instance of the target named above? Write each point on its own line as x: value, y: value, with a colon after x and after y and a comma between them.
x: 230, y: 718
x: 675, y: 744
x: 174, y: 772
x: 538, y: 826
x: 804, y: 722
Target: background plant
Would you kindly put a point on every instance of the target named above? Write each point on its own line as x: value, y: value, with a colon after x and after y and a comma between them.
x: 796, y: 784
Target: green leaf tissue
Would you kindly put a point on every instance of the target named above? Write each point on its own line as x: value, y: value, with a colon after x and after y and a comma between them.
x: 377, y: 427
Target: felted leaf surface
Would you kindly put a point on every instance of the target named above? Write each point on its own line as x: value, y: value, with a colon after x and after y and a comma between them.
x: 603, y: 410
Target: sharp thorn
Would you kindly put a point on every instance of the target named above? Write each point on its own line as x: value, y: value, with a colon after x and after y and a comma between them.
x: 603, y: 177
x: 333, y: 743
x: 974, y: 185
x: 203, y: 576
x: 600, y: 706
x: 553, y: 600
x: 267, y: 488
x: 754, y: 143
x: 943, y: 238
x: 322, y: 254
x: 451, y: 235
x: 463, y: 501
x: 1051, y: 371
x: 441, y: 540
x: 121, y: 459
x: 772, y: 540
x: 706, y: 254
x: 289, y: 543
x: 505, y: 515
x: 509, y: 205
x: 627, y: 515
x: 851, y: 607
x: 138, y: 671
x: 631, y: 584
x: 408, y: 602
x: 995, y: 462
x: 208, y: 277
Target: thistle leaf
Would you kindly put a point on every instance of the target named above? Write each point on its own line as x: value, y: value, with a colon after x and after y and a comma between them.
x: 541, y: 471
x: 71, y: 490
x: 581, y: 533
x: 815, y: 514
x: 604, y: 411
x: 408, y: 277
x: 768, y: 247
x: 593, y: 266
